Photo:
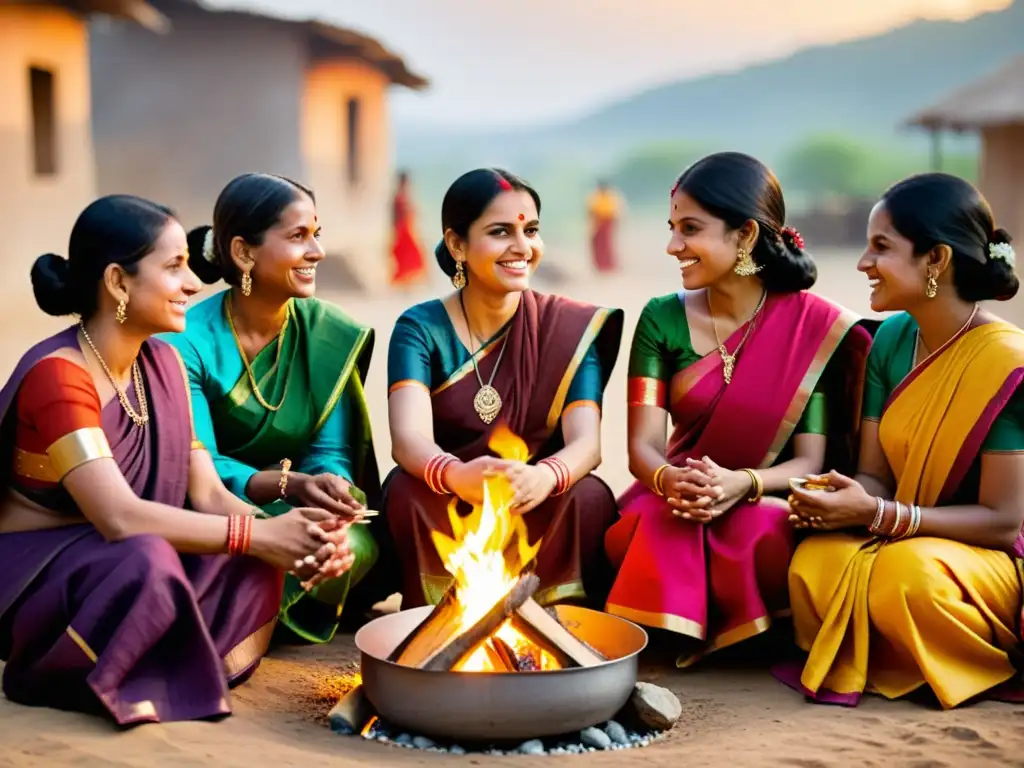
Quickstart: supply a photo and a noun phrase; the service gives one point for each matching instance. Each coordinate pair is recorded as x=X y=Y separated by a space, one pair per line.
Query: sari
x=891 y=617
x=722 y=583
x=316 y=373
x=604 y=214
x=127 y=627
x=406 y=254
x=544 y=374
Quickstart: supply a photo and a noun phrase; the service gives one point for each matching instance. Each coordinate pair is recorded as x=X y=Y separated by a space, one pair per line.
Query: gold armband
x=78 y=448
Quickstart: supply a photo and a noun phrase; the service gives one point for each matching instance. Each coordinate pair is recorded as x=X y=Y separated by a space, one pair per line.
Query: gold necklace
x=140 y=419
x=729 y=361
x=248 y=368
x=487 y=402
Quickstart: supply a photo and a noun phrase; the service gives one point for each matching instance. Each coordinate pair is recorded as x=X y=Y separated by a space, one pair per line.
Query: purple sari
x=129 y=627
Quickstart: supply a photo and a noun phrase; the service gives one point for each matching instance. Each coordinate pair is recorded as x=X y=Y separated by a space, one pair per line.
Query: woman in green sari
x=277 y=379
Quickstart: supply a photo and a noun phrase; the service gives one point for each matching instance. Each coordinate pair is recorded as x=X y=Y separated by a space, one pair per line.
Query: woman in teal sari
x=277 y=379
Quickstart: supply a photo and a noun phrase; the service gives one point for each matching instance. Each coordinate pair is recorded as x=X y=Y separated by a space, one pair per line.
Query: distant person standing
x=604 y=208
x=406 y=252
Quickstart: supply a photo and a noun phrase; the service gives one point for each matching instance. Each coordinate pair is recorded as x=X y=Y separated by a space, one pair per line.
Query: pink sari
x=722 y=583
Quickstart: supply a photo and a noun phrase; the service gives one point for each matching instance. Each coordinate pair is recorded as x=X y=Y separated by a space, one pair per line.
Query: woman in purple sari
x=754 y=373
x=113 y=597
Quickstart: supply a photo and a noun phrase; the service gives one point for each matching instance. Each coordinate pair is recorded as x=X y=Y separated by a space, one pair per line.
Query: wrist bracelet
x=286 y=465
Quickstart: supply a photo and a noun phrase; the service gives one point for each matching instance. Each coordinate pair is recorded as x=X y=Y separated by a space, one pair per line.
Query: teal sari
x=322 y=426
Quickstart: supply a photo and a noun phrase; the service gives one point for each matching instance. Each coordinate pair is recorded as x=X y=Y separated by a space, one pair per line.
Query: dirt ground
x=733 y=714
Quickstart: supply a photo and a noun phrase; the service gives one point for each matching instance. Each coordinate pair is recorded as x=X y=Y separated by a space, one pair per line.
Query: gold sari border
x=668 y=621
x=586 y=341
x=250 y=650
x=840 y=327
x=80 y=642
x=643 y=390
x=78 y=448
x=407 y=383
x=343 y=377
x=467 y=367
x=570 y=590
x=188 y=394
x=197 y=445
x=34 y=466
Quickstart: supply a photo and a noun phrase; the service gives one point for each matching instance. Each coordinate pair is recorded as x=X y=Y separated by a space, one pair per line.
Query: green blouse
x=662 y=348
x=892 y=358
x=425 y=348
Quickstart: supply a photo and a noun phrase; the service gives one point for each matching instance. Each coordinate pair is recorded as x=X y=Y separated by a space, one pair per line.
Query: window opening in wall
x=44 y=121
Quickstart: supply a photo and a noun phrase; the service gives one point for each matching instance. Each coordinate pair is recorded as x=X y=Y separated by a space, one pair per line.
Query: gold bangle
x=757 y=491
x=286 y=464
x=656 y=480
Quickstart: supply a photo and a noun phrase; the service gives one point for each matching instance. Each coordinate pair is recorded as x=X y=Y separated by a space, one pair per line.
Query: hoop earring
x=931 y=288
x=459 y=278
x=122 y=311
x=745 y=264
x=246 y=283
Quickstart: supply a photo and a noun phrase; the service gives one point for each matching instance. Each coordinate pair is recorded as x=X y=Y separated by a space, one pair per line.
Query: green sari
x=322 y=426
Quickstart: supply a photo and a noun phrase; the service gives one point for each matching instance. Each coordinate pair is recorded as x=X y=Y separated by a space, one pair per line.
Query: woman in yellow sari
x=916 y=582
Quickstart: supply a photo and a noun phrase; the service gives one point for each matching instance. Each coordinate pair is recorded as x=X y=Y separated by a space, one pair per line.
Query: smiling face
x=702 y=244
x=285 y=264
x=158 y=292
x=503 y=247
x=896 y=277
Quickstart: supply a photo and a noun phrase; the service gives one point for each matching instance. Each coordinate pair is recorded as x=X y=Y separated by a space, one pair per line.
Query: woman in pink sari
x=754 y=372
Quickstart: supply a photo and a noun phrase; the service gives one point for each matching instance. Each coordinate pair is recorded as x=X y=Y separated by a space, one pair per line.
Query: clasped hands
x=531 y=484
x=702 y=491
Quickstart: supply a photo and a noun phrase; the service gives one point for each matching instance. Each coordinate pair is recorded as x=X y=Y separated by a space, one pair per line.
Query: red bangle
x=563 y=478
x=433 y=473
x=239 y=534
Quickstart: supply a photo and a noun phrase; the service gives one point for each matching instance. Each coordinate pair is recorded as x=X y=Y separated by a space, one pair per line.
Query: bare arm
x=808 y=459
x=873 y=470
x=207 y=492
x=581 y=428
x=411 y=421
x=646 y=439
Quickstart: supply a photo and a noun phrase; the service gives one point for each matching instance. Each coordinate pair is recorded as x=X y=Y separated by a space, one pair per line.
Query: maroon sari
x=128 y=627
x=721 y=583
x=534 y=378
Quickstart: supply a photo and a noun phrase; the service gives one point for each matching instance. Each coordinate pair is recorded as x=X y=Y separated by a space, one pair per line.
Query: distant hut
x=994 y=107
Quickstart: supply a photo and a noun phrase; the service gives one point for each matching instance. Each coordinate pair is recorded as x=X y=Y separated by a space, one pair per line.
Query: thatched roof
x=135 y=10
x=326 y=41
x=996 y=99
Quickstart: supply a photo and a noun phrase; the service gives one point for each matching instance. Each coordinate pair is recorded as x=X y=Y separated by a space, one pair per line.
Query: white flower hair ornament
x=1003 y=252
x=208 y=253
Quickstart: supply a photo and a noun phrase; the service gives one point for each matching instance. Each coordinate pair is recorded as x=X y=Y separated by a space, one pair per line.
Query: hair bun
x=51 y=284
x=1000 y=236
x=205 y=265
x=445 y=260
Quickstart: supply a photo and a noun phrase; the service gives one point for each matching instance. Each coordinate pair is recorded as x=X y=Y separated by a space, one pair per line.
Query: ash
x=606 y=737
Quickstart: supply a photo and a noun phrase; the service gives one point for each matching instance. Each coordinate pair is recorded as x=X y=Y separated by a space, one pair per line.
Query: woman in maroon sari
x=112 y=596
x=754 y=373
x=496 y=353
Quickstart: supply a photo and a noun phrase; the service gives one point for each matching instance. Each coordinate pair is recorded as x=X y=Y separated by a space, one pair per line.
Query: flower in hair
x=1003 y=251
x=208 y=253
x=792 y=234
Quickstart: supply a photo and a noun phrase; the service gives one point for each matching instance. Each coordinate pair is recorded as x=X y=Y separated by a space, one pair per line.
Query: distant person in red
x=604 y=208
x=407 y=254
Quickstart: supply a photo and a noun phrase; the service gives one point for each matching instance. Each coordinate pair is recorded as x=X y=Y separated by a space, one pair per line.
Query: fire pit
x=488 y=664
x=498 y=706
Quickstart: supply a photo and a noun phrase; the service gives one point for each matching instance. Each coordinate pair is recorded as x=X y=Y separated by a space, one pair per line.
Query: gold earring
x=459 y=279
x=122 y=311
x=246 y=283
x=931 y=288
x=745 y=264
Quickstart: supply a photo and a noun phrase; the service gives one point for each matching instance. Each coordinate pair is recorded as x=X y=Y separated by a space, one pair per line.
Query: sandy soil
x=733 y=713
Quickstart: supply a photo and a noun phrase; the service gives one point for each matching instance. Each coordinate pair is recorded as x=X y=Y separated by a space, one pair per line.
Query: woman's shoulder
x=552 y=305
x=669 y=305
x=207 y=312
x=427 y=314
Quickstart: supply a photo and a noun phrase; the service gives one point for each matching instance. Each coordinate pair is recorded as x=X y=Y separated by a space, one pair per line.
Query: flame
x=486 y=553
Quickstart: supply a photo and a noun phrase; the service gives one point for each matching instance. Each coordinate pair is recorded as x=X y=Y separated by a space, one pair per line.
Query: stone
x=595 y=737
x=455 y=749
x=422 y=742
x=404 y=739
x=656 y=707
x=616 y=732
x=532 y=747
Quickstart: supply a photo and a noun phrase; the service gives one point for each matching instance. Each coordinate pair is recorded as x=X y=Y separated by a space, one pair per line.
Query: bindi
x=522 y=217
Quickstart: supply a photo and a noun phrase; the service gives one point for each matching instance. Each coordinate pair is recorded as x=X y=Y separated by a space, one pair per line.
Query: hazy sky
x=529 y=61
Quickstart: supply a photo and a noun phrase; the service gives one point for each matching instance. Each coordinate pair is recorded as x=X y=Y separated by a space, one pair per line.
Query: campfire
x=487 y=621
x=488 y=664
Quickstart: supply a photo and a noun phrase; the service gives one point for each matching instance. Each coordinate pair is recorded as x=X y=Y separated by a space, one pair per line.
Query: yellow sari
x=892 y=616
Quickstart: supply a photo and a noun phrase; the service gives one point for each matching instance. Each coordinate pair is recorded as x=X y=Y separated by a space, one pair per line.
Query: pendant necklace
x=487 y=402
x=729 y=361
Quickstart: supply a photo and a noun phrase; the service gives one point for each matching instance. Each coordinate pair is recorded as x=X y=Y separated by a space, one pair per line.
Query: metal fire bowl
x=497 y=706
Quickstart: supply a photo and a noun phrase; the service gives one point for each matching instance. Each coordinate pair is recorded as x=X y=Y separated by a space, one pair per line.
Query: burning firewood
x=544 y=628
x=440 y=642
